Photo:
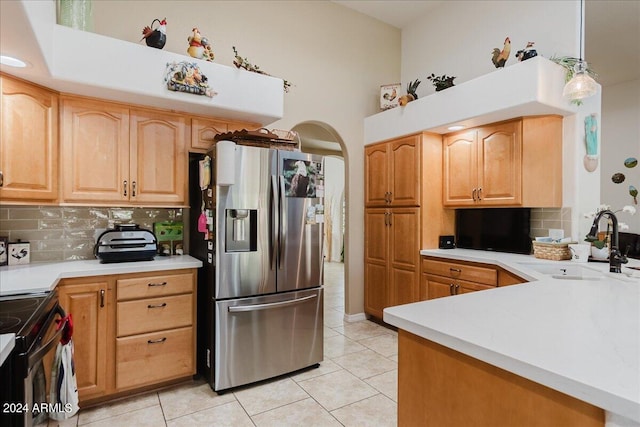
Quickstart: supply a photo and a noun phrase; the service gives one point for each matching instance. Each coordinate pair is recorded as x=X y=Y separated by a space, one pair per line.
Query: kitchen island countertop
x=580 y=337
x=7 y=342
x=32 y=278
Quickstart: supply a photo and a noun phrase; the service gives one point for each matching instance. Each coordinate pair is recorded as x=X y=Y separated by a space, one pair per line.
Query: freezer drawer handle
x=257 y=307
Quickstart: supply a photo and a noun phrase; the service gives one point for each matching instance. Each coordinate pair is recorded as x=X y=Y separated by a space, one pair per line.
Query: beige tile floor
x=355 y=385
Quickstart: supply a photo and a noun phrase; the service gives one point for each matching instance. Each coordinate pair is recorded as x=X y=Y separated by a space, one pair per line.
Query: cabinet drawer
x=150 y=358
x=154 y=314
x=154 y=286
x=474 y=273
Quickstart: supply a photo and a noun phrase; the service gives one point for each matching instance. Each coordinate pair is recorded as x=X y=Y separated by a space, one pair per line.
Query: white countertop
x=7 y=342
x=580 y=337
x=30 y=278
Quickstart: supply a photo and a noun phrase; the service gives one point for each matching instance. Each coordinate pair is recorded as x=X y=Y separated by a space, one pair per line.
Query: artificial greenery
x=441 y=82
x=244 y=63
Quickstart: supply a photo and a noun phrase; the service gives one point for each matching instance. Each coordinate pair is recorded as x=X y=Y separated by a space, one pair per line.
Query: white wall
x=335 y=58
x=620 y=140
x=457 y=37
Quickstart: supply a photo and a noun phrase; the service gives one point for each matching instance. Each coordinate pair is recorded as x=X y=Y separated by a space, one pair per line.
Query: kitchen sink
x=565 y=271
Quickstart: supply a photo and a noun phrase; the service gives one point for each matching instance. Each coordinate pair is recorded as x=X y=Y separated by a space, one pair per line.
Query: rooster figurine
x=527 y=52
x=158 y=37
x=411 y=93
x=500 y=57
x=199 y=47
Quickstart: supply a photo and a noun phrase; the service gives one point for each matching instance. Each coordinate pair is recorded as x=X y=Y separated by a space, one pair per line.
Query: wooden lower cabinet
x=156 y=329
x=131 y=331
x=392 y=256
x=442 y=277
x=158 y=356
x=440 y=387
x=89 y=301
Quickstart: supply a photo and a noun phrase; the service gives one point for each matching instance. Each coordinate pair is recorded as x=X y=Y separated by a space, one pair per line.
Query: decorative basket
x=552 y=251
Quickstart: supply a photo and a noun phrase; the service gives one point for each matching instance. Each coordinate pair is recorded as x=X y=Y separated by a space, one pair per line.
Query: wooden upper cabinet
x=460 y=166
x=203 y=131
x=159 y=157
x=500 y=164
x=28 y=142
x=514 y=163
x=114 y=154
x=95 y=151
x=376 y=169
x=392 y=173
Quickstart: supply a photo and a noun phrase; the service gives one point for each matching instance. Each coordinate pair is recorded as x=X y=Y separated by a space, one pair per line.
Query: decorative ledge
x=90 y=64
x=528 y=88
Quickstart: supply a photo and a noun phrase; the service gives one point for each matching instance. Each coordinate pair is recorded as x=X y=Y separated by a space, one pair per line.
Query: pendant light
x=581 y=84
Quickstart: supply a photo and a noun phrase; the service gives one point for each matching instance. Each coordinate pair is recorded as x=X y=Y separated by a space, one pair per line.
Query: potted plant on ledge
x=441 y=82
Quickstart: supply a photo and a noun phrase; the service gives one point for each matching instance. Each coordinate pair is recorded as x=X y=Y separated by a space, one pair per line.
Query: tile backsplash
x=542 y=219
x=65 y=233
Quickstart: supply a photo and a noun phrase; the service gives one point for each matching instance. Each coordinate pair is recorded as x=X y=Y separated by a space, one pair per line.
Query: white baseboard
x=355 y=317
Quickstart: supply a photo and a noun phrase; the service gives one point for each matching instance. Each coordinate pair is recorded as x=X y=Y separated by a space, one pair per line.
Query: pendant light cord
x=581 y=20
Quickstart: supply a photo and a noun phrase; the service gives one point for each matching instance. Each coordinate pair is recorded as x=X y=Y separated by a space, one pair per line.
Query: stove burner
x=24 y=305
x=6 y=323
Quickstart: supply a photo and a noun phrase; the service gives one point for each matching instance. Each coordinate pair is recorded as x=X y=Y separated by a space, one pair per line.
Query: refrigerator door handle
x=283 y=223
x=274 y=221
x=257 y=307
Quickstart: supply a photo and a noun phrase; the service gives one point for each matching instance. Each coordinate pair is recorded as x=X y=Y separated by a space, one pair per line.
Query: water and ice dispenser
x=241 y=230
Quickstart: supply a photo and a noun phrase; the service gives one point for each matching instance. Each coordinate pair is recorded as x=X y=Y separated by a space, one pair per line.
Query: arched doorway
x=320 y=138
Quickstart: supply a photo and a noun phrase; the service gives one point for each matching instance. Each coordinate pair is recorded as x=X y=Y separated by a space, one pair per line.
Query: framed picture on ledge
x=389 y=95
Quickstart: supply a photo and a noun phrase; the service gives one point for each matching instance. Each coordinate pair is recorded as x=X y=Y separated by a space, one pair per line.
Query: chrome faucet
x=616 y=258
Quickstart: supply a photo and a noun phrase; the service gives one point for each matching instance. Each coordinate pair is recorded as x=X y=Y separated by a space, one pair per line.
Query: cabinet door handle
x=473 y=194
x=390 y=215
x=479 y=193
x=164 y=304
x=451 y=289
x=386 y=219
x=124 y=188
x=133 y=189
x=102 y=292
x=457 y=289
x=390 y=197
x=1 y=179
x=158 y=341
x=157 y=284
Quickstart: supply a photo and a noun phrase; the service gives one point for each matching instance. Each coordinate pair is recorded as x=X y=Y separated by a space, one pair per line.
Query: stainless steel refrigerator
x=260 y=234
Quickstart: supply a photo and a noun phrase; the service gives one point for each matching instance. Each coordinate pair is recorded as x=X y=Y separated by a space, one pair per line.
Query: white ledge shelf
x=84 y=63
x=528 y=88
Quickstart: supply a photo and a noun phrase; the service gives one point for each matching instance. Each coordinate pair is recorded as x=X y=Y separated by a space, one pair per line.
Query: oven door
x=39 y=358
